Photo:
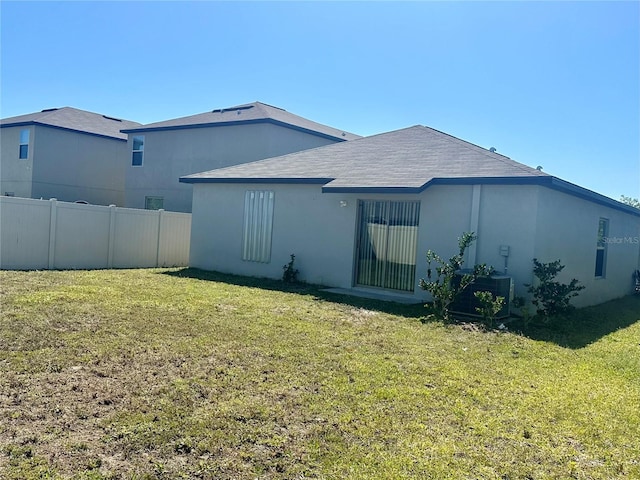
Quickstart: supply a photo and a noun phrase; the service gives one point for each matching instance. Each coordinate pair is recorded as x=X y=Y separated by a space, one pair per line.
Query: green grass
x=183 y=374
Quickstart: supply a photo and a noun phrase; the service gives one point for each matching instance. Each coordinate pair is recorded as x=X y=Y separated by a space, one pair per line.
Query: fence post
x=53 y=217
x=112 y=234
x=160 y=215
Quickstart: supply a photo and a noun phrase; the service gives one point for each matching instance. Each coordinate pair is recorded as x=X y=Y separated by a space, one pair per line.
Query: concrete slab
x=385 y=297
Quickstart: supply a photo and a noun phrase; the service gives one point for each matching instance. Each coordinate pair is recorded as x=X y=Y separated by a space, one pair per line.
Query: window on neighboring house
x=138 y=151
x=153 y=203
x=258 y=225
x=24 y=144
x=601 y=247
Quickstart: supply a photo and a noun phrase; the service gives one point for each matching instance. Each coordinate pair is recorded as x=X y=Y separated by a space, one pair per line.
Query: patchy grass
x=183 y=374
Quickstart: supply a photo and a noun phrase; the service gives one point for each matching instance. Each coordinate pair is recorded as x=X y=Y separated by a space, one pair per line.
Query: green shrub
x=290 y=274
x=489 y=307
x=439 y=281
x=552 y=298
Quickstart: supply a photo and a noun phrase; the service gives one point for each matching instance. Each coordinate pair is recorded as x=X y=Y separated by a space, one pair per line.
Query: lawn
x=183 y=374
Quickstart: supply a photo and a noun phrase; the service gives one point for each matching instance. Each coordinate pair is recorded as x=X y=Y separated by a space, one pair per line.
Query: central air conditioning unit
x=466 y=302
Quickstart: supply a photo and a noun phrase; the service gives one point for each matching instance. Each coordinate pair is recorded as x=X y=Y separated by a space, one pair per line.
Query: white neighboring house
x=361 y=216
x=64 y=153
x=162 y=152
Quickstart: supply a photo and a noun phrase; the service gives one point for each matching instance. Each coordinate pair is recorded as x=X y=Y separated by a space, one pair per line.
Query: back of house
x=361 y=215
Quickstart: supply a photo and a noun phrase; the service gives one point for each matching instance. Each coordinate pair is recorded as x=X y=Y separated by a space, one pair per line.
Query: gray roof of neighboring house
x=246 y=114
x=69 y=118
x=402 y=161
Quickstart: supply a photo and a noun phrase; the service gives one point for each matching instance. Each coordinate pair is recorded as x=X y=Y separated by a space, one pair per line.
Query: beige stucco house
x=162 y=152
x=361 y=215
x=64 y=153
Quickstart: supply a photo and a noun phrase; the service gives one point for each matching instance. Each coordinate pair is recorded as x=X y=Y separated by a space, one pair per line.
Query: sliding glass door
x=387 y=243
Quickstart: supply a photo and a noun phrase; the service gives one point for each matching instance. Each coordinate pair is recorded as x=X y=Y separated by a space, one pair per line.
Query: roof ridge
x=48 y=112
x=258 y=102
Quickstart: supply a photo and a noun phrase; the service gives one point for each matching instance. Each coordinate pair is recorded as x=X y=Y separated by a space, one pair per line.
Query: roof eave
x=586 y=194
x=533 y=180
x=57 y=127
x=548 y=181
x=264 y=180
x=232 y=123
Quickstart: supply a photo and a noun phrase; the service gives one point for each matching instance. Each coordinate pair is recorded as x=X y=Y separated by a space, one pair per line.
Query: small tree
x=441 y=285
x=290 y=274
x=550 y=297
x=489 y=307
x=633 y=202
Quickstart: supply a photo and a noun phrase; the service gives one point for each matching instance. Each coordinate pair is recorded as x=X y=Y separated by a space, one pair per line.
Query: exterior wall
x=321 y=233
x=568 y=230
x=15 y=174
x=307 y=223
x=507 y=217
x=65 y=165
x=73 y=166
x=170 y=154
x=533 y=221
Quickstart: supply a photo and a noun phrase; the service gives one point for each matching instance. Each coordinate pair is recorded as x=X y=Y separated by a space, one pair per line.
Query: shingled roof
x=69 y=118
x=256 y=112
x=407 y=159
x=403 y=161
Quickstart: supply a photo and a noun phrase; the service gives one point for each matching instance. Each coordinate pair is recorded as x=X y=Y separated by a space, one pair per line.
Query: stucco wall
x=73 y=166
x=508 y=215
x=306 y=223
x=170 y=154
x=15 y=174
x=532 y=221
x=321 y=233
x=568 y=230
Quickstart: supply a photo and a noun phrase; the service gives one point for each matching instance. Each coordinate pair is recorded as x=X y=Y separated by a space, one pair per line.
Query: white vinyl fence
x=47 y=234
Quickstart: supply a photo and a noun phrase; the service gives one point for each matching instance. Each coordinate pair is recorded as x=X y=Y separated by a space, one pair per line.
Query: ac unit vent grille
x=466 y=302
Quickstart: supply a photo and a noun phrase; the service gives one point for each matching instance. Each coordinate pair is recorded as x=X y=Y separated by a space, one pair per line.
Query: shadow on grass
x=586 y=325
x=416 y=311
x=581 y=328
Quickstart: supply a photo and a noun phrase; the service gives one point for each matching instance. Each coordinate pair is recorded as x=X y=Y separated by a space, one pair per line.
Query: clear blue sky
x=551 y=84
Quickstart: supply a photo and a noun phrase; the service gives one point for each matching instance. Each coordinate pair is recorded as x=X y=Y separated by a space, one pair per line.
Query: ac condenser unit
x=466 y=302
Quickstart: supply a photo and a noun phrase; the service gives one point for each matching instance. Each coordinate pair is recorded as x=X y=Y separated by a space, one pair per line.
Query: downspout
x=474 y=224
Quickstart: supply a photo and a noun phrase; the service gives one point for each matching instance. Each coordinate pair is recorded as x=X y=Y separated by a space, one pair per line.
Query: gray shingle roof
x=249 y=113
x=74 y=119
x=410 y=159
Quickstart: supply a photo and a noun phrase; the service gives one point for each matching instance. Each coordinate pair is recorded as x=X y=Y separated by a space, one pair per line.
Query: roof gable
x=69 y=118
x=256 y=112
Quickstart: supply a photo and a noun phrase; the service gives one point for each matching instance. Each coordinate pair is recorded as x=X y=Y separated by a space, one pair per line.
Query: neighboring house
x=361 y=215
x=64 y=153
x=162 y=152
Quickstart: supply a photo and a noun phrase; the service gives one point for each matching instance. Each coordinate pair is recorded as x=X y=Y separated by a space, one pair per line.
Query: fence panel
x=136 y=242
x=24 y=233
x=40 y=234
x=81 y=236
x=175 y=235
